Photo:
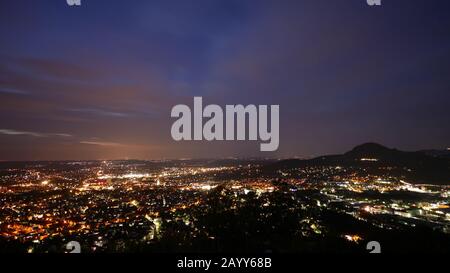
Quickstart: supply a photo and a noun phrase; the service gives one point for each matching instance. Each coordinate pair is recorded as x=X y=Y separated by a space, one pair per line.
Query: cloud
x=14 y=133
x=13 y=91
x=99 y=112
x=101 y=143
x=63 y=135
x=32 y=134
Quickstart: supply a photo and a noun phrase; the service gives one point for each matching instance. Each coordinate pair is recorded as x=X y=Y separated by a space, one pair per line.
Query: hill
x=376 y=159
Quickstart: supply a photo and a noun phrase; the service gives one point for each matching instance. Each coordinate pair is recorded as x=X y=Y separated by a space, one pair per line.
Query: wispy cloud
x=13 y=91
x=31 y=134
x=102 y=143
x=20 y=133
x=62 y=135
x=99 y=112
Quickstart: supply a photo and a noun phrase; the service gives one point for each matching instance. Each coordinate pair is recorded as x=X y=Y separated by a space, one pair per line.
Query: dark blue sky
x=98 y=81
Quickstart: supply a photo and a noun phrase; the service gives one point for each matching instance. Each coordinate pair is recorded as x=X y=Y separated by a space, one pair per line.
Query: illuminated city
x=117 y=206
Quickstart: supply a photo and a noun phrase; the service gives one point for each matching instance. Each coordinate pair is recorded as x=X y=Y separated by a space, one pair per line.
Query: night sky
x=99 y=81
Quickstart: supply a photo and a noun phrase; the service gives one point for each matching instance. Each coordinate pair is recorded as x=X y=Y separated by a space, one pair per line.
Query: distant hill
x=373 y=150
x=417 y=167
